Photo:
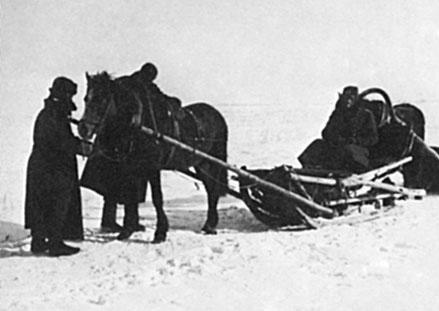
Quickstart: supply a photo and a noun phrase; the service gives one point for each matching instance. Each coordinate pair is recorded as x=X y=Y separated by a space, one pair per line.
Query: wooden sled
x=338 y=191
x=285 y=196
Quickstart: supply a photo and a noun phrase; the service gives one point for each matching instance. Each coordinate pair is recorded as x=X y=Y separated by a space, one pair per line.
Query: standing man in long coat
x=52 y=187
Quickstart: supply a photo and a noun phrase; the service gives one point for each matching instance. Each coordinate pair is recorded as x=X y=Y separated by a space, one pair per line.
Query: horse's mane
x=102 y=77
x=122 y=87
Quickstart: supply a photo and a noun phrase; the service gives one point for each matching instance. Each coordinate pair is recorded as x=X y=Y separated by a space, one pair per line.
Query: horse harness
x=176 y=129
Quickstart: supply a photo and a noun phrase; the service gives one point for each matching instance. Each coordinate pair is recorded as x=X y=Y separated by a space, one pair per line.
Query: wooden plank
x=314 y=180
x=410 y=193
x=358 y=179
x=361 y=200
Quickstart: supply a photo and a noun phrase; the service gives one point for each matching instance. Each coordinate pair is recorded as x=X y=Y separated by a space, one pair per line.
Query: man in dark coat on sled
x=53 y=203
x=346 y=139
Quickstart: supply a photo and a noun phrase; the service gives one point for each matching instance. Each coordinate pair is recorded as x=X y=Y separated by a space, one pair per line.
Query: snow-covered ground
x=389 y=263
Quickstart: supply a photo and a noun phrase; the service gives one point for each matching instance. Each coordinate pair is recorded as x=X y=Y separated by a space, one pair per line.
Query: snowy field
x=386 y=264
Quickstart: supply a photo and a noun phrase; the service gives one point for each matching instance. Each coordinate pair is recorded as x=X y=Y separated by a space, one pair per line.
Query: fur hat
x=149 y=72
x=350 y=90
x=63 y=87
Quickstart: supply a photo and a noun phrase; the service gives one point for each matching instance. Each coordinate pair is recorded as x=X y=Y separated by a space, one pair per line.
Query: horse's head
x=99 y=104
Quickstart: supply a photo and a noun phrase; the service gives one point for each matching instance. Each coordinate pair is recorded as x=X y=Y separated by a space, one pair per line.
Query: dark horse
x=115 y=108
x=402 y=132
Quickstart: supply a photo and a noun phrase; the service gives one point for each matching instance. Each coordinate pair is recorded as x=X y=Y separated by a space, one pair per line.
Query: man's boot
x=38 y=245
x=59 y=248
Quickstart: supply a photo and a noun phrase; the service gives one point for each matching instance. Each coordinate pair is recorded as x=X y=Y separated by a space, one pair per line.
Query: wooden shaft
x=314 y=180
x=355 y=180
x=411 y=193
x=373 y=174
x=291 y=195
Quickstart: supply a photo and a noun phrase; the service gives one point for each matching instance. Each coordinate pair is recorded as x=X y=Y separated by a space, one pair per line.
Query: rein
x=100 y=123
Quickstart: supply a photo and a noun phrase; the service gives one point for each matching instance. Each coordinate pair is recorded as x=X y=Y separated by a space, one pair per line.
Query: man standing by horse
x=53 y=203
x=144 y=78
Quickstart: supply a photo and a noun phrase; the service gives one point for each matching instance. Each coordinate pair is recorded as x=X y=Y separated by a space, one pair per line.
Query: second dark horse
x=115 y=108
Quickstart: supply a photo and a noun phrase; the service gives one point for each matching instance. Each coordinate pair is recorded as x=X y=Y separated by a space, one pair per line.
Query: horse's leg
x=162 y=225
x=212 y=212
x=208 y=175
x=109 y=213
x=130 y=221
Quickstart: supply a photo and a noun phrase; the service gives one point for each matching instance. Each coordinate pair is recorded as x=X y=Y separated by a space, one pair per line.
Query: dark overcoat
x=52 y=174
x=347 y=137
x=115 y=180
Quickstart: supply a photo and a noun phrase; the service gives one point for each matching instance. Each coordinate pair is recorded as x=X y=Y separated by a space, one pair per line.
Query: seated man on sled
x=346 y=139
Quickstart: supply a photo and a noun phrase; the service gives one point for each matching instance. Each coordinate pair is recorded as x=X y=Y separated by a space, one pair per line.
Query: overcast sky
x=223 y=51
x=294 y=53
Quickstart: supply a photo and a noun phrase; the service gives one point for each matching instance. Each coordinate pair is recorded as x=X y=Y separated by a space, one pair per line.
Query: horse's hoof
x=159 y=238
x=112 y=228
x=139 y=227
x=125 y=234
x=208 y=230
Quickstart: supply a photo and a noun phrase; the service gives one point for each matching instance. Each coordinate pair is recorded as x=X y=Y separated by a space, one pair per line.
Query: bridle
x=136 y=121
x=99 y=124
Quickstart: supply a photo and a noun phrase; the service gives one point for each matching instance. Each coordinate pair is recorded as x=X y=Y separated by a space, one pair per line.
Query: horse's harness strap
x=385 y=117
x=177 y=132
x=197 y=139
x=198 y=131
x=198 y=136
x=137 y=118
x=409 y=143
x=100 y=124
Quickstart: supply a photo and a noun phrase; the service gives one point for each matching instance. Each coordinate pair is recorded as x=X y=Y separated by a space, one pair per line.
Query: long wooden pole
x=291 y=195
x=359 y=179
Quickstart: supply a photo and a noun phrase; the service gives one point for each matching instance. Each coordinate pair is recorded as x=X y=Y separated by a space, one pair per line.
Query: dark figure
x=52 y=188
x=145 y=79
x=349 y=133
x=117 y=184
